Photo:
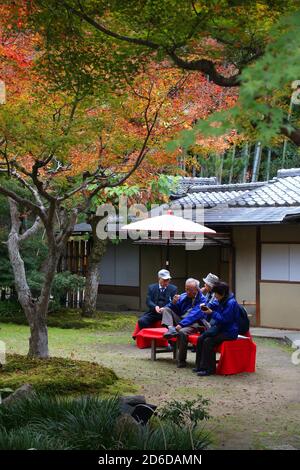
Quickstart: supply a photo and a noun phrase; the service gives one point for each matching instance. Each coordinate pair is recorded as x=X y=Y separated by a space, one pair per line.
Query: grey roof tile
x=277 y=192
x=251 y=216
x=207 y=199
x=264 y=202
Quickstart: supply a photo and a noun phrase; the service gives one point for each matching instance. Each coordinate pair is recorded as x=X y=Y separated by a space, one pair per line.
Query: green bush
x=189 y=412
x=56 y=375
x=44 y=422
x=11 y=312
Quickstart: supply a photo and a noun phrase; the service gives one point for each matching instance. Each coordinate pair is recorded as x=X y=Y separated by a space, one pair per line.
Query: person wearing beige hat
x=210 y=281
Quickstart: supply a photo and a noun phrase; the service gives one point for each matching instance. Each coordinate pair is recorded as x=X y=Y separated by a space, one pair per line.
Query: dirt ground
x=250 y=411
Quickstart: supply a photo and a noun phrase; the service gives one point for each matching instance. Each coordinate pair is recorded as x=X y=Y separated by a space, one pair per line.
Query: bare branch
x=15 y=218
x=202 y=65
x=208 y=68
x=33 y=191
x=31 y=231
x=20 y=200
x=103 y=29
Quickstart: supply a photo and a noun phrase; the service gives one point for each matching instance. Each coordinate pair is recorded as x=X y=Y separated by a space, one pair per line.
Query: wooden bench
x=156 y=337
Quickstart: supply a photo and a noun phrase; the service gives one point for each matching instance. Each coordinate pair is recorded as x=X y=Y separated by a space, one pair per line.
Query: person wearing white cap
x=159 y=295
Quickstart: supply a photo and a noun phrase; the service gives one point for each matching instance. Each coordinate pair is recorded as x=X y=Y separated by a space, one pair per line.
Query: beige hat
x=211 y=280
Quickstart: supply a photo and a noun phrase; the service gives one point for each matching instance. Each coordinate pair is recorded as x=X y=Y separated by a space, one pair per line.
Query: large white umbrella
x=168 y=224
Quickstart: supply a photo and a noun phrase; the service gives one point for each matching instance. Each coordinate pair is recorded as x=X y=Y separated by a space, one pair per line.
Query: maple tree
x=181 y=31
x=72 y=127
x=42 y=135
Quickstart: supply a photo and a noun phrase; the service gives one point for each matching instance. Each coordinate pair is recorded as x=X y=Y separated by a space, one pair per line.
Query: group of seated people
x=212 y=307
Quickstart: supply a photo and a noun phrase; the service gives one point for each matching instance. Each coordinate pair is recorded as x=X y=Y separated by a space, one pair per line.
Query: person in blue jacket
x=183 y=317
x=225 y=313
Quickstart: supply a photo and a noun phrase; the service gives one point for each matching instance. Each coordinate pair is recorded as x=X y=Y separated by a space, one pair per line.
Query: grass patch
x=274 y=343
x=56 y=375
x=11 y=312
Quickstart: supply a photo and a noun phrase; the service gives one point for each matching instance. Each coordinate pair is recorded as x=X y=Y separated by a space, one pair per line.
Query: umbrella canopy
x=168 y=224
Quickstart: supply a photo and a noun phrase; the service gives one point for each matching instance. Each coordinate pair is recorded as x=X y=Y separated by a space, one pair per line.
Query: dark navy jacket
x=185 y=303
x=226 y=314
x=153 y=295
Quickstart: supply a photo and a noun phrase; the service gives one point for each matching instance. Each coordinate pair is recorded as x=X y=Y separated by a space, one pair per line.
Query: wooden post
x=258 y=274
x=153 y=350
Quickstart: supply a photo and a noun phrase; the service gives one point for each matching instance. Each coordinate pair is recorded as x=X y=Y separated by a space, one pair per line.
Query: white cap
x=164 y=274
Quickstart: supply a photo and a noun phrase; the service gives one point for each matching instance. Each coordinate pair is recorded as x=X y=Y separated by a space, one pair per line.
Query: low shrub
x=56 y=375
x=44 y=422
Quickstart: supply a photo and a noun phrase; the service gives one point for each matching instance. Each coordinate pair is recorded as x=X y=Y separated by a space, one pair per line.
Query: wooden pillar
x=258 y=274
x=153 y=350
x=231 y=268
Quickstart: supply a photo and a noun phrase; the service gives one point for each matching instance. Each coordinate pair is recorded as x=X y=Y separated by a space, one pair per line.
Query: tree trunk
x=246 y=153
x=256 y=162
x=92 y=276
x=38 y=341
x=35 y=309
x=231 y=165
x=268 y=164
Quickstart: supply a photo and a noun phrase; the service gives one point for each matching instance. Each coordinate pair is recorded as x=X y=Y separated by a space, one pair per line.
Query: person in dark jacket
x=225 y=314
x=159 y=295
x=183 y=317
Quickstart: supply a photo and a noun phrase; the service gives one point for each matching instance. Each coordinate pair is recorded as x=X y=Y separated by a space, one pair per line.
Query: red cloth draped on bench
x=144 y=336
x=237 y=356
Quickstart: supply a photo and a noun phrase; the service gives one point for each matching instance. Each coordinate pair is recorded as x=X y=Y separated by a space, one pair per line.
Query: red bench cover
x=237 y=356
x=144 y=336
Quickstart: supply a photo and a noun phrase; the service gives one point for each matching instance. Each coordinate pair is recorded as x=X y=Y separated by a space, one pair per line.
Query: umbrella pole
x=168 y=255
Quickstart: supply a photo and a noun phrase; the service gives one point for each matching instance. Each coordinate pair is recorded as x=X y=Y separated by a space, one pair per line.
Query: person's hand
x=175 y=298
x=158 y=309
x=178 y=327
x=205 y=309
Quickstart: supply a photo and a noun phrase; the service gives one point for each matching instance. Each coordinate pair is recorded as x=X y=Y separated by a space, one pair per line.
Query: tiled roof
x=186 y=183
x=278 y=192
x=248 y=216
x=272 y=201
x=207 y=199
x=82 y=227
x=264 y=202
x=226 y=187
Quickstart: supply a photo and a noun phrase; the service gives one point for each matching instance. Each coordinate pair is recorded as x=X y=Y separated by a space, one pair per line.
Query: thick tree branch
x=103 y=29
x=31 y=231
x=208 y=68
x=202 y=65
x=20 y=200
x=30 y=188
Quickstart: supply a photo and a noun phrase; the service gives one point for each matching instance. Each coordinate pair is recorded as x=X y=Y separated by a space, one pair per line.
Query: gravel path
x=250 y=411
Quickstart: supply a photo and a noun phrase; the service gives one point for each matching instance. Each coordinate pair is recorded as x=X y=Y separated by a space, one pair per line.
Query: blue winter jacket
x=185 y=303
x=226 y=314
